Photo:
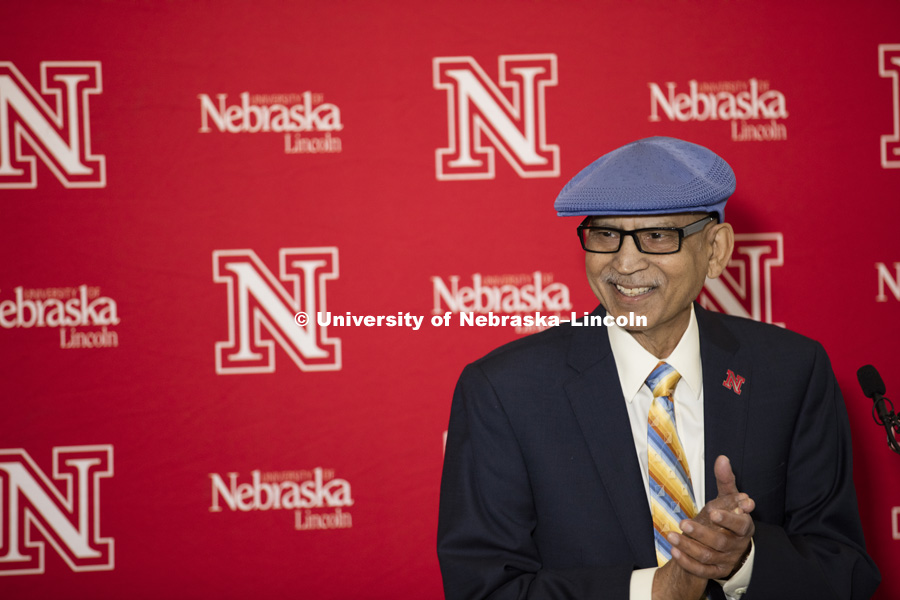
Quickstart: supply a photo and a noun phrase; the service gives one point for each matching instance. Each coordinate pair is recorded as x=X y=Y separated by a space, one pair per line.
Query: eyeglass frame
x=683 y=232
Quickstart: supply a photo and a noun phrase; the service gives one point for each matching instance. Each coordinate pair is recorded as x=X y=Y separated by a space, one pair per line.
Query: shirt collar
x=634 y=363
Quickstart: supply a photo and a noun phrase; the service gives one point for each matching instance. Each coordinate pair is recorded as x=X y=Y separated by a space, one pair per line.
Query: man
x=695 y=455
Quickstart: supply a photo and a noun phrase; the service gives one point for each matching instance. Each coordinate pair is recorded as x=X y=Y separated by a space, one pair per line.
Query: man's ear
x=721 y=243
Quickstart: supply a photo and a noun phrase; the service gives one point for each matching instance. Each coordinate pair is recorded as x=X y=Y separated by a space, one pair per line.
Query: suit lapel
x=724 y=409
x=596 y=399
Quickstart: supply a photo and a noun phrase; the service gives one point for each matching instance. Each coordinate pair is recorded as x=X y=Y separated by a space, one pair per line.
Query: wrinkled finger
x=731 y=503
x=713 y=538
x=725 y=562
x=740 y=524
x=695 y=549
x=696 y=567
x=725 y=480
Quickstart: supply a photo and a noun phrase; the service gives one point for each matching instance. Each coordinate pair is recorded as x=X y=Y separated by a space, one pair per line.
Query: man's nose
x=629 y=259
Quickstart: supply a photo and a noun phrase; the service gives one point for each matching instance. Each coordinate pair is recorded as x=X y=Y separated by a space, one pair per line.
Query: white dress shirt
x=634 y=365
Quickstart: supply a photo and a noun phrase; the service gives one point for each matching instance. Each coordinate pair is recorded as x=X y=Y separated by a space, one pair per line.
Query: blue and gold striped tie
x=671 y=492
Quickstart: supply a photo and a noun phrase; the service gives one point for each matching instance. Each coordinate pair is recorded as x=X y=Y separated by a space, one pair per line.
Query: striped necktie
x=671 y=492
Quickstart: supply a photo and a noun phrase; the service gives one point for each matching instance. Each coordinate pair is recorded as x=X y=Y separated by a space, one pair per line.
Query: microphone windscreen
x=870 y=381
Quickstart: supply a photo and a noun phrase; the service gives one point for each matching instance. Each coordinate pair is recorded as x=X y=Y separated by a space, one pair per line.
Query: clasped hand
x=713 y=545
x=716 y=542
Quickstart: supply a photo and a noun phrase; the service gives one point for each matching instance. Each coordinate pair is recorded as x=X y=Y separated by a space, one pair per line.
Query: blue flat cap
x=655 y=175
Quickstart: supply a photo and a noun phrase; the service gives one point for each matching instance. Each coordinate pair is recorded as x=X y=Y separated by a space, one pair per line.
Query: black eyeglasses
x=653 y=240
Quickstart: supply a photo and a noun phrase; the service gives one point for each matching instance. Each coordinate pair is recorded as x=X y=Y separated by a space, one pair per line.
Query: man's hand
x=716 y=542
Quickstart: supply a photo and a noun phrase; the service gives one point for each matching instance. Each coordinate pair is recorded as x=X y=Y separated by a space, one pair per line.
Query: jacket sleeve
x=809 y=540
x=487 y=512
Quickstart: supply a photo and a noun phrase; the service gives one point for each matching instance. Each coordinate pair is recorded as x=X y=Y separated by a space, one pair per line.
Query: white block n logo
x=889 y=66
x=744 y=289
x=35 y=511
x=257 y=302
x=59 y=135
x=482 y=118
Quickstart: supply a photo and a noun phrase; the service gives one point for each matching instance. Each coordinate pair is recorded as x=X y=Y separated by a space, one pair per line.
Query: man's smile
x=633 y=292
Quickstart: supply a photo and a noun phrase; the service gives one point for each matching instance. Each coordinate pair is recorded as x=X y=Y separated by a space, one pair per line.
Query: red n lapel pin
x=734 y=382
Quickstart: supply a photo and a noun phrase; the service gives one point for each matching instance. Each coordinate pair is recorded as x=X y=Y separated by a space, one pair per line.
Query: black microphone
x=870 y=381
x=873 y=387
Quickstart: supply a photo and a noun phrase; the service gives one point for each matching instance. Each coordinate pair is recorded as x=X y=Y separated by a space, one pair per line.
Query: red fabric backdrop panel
x=180 y=180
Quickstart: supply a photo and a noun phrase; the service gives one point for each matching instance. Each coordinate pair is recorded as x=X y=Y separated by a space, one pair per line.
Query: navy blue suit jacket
x=542 y=495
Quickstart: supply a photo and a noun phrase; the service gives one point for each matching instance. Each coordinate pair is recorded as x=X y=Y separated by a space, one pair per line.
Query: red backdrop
x=179 y=179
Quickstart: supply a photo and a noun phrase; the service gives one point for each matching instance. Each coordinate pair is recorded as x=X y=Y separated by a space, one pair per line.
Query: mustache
x=616 y=279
